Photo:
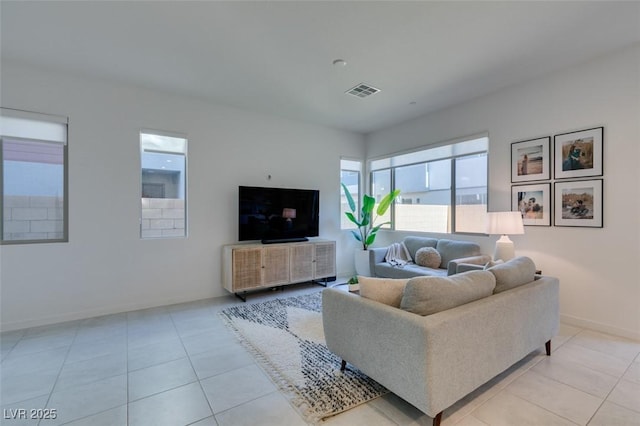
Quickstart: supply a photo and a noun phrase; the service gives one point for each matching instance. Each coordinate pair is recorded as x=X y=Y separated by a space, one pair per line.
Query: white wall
x=105 y=267
x=599 y=269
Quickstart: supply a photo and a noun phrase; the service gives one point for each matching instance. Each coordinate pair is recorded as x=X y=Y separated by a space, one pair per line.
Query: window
x=350 y=171
x=33 y=177
x=444 y=188
x=164 y=185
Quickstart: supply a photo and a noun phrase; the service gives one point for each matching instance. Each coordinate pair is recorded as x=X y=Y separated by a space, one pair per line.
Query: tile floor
x=179 y=365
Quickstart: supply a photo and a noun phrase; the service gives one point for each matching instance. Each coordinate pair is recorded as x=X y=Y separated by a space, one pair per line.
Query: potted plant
x=353 y=283
x=367 y=229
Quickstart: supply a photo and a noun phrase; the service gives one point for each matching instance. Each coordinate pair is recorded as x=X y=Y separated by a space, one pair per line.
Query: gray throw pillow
x=383 y=290
x=428 y=295
x=428 y=256
x=513 y=273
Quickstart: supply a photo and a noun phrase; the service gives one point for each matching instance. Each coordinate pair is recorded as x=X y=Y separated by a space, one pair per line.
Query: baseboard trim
x=596 y=326
x=97 y=312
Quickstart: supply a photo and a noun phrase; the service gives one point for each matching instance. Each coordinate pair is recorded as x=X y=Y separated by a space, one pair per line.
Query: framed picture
x=530 y=160
x=578 y=154
x=578 y=203
x=533 y=202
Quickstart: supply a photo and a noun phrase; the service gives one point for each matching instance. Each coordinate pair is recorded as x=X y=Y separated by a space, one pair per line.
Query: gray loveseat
x=433 y=361
x=451 y=252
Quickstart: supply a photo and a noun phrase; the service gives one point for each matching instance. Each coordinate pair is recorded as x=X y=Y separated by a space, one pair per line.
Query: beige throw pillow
x=428 y=295
x=384 y=290
x=513 y=273
x=429 y=257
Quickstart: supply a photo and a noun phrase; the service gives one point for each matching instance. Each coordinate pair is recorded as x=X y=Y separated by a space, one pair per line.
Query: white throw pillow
x=384 y=290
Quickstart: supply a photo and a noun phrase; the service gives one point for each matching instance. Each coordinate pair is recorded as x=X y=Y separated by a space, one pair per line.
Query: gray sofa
x=433 y=361
x=452 y=253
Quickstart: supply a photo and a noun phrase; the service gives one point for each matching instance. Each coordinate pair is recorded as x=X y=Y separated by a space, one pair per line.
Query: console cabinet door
x=325 y=259
x=247 y=268
x=275 y=264
x=302 y=256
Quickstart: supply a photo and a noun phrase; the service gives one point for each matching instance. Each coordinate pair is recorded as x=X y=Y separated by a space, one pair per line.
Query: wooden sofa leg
x=547 y=346
x=437 y=419
x=343 y=365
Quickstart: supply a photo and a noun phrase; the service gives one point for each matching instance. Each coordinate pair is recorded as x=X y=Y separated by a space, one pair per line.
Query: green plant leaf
x=386 y=202
x=352 y=204
x=367 y=204
x=370 y=239
x=355 y=234
x=352 y=218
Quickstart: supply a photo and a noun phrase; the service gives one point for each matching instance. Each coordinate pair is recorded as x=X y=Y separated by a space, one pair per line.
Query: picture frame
x=530 y=160
x=578 y=154
x=533 y=202
x=579 y=203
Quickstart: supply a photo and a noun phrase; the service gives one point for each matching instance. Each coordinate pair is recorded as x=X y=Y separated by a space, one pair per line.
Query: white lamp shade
x=504 y=223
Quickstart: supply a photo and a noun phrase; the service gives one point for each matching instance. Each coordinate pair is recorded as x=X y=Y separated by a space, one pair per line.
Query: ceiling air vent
x=362 y=90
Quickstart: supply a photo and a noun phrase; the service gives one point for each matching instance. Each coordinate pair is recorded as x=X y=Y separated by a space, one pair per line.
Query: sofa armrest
x=452 y=267
x=376 y=255
x=466 y=267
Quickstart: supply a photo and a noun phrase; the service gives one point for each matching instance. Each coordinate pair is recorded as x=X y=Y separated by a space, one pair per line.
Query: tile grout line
x=193 y=369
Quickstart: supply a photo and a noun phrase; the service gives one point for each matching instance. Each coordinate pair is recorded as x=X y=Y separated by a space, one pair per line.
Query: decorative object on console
x=578 y=154
x=505 y=224
x=530 y=160
x=579 y=203
x=533 y=202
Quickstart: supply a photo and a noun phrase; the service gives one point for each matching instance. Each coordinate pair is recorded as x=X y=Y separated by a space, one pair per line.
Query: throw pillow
x=429 y=257
x=384 y=290
x=428 y=295
x=513 y=273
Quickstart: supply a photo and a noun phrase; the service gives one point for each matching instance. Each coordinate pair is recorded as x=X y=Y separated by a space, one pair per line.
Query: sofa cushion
x=385 y=269
x=428 y=256
x=450 y=250
x=428 y=295
x=513 y=273
x=415 y=243
x=384 y=290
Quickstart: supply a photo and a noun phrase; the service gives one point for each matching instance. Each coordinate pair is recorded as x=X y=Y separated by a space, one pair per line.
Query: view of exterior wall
x=33 y=217
x=162 y=217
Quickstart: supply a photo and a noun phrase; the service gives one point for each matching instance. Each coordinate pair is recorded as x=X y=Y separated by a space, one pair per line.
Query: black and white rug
x=287 y=338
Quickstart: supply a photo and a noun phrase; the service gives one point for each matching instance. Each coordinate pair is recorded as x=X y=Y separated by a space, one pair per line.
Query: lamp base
x=504 y=249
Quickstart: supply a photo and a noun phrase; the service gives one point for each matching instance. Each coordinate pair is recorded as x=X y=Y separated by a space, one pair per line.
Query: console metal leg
x=547 y=347
x=242 y=296
x=343 y=365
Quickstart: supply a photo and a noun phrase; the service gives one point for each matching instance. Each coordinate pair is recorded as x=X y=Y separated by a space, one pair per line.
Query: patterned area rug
x=287 y=338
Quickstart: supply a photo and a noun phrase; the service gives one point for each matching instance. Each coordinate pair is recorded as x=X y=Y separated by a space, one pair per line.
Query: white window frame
x=150 y=147
x=38 y=127
x=351 y=165
x=447 y=150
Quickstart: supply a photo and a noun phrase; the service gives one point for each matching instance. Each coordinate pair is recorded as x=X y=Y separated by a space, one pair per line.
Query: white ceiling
x=276 y=57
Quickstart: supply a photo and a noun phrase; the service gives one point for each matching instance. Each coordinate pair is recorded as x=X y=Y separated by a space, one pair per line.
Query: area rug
x=287 y=339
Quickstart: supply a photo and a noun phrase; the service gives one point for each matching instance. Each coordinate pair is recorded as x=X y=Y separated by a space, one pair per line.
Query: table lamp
x=505 y=224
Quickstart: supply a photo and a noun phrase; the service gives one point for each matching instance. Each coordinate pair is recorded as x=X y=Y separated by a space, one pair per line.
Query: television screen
x=277 y=214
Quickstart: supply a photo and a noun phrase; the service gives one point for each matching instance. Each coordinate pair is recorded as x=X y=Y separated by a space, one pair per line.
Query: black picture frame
x=579 y=154
x=531 y=160
x=579 y=203
x=533 y=202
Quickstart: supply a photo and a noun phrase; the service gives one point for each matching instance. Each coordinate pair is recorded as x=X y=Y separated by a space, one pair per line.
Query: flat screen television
x=277 y=214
